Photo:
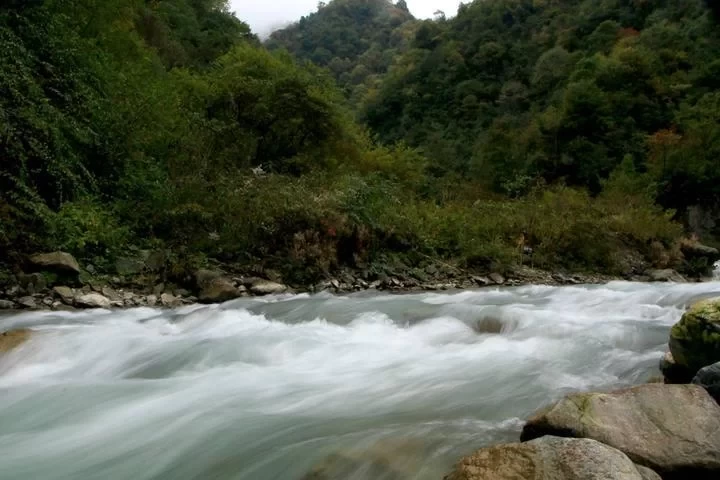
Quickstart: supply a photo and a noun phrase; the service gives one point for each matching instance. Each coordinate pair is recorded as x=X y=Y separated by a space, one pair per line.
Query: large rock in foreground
x=695 y=339
x=92 y=300
x=673 y=429
x=60 y=262
x=550 y=458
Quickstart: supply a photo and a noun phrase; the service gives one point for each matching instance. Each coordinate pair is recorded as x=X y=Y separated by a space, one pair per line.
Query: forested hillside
x=129 y=125
x=515 y=92
x=356 y=40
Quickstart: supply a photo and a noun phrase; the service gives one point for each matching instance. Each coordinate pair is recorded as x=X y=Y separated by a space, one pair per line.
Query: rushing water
x=359 y=387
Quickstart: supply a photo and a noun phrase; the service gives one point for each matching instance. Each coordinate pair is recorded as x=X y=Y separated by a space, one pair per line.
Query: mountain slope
x=355 y=39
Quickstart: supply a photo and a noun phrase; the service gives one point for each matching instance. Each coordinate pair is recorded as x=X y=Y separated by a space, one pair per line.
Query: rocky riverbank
x=665 y=431
x=57 y=281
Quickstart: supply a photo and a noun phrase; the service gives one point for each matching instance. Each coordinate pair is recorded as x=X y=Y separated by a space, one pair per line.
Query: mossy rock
x=695 y=339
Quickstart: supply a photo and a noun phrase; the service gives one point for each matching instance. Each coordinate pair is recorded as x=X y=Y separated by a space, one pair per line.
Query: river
x=369 y=386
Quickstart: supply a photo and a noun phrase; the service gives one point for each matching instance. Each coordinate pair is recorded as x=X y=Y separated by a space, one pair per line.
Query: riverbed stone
x=61 y=262
x=27 y=302
x=92 y=300
x=496 y=278
x=709 y=378
x=66 y=294
x=6 y=305
x=169 y=300
x=13 y=339
x=695 y=339
x=550 y=458
x=266 y=287
x=665 y=275
x=220 y=289
x=672 y=429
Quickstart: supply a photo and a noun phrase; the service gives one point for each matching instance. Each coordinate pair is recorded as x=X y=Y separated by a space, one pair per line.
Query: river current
x=368 y=386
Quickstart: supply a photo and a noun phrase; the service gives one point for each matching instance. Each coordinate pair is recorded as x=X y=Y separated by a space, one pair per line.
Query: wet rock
x=672 y=429
x=27 y=302
x=666 y=275
x=6 y=305
x=266 y=287
x=481 y=281
x=709 y=378
x=674 y=373
x=219 y=290
x=92 y=300
x=490 y=325
x=496 y=278
x=66 y=294
x=151 y=300
x=169 y=300
x=13 y=339
x=56 y=262
x=695 y=339
x=111 y=294
x=549 y=458
x=47 y=301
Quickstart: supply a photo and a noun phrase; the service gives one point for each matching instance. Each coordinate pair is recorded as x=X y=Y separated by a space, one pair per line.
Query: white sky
x=267 y=15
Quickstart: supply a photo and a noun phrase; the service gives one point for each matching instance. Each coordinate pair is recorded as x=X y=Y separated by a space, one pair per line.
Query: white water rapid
x=366 y=387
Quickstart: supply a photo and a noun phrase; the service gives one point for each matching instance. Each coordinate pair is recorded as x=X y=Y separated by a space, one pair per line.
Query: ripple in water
x=315 y=387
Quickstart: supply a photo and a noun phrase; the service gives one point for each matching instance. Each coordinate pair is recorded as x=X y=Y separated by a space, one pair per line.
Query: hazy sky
x=266 y=15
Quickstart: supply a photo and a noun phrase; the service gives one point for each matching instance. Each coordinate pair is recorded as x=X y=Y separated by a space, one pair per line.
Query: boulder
x=218 y=290
x=674 y=373
x=266 y=287
x=169 y=300
x=27 y=302
x=111 y=294
x=666 y=275
x=695 y=339
x=672 y=429
x=92 y=300
x=151 y=300
x=66 y=294
x=709 y=378
x=13 y=339
x=497 y=279
x=550 y=458
x=6 y=305
x=60 y=262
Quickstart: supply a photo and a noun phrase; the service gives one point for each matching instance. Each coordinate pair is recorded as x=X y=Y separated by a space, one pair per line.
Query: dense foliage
x=512 y=92
x=356 y=40
x=133 y=124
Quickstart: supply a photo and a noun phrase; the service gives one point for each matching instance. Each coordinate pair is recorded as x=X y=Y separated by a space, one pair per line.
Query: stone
x=66 y=294
x=169 y=300
x=127 y=266
x=266 y=287
x=61 y=262
x=27 y=302
x=709 y=378
x=47 y=301
x=92 y=300
x=674 y=373
x=13 y=339
x=151 y=300
x=204 y=277
x=111 y=294
x=672 y=429
x=159 y=289
x=181 y=292
x=666 y=275
x=549 y=458
x=218 y=290
x=6 y=305
x=481 y=281
x=496 y=278
x=695 y=339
